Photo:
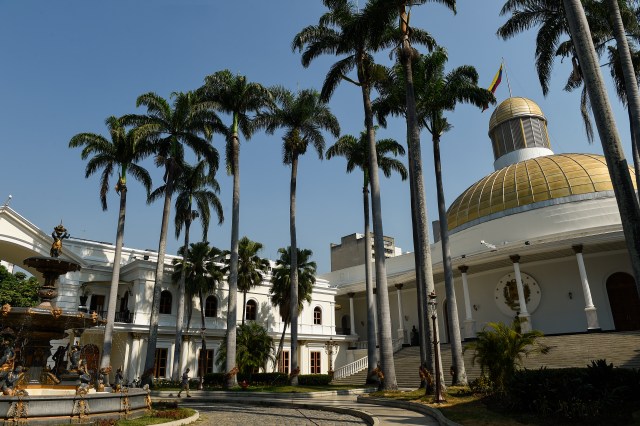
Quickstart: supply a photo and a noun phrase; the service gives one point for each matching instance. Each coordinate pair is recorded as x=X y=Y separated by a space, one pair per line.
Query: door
x=624 y=301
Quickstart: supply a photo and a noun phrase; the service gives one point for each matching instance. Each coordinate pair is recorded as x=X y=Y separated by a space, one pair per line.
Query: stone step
x=575 y=350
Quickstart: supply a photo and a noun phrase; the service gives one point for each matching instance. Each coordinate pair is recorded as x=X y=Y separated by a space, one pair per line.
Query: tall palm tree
x=356 y=153
x=303 y=116
x=609 y=138
x=202 y=274
x=344 y=31
x=251 y=267
x=165 y=130
x=439 y=93
x=570 y=17
x=550 y=16
x=280 y=290
x=120 y=153
x=197 y=185
x=234 y=95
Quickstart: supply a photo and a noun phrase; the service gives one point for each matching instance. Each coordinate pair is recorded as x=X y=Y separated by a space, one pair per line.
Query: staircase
x=574 y=350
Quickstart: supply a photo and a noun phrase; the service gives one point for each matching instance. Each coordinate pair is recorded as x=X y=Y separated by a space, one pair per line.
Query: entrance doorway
x=624 y=301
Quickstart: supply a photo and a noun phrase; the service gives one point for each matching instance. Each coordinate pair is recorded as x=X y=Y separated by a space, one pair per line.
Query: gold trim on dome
x=514 y=107
x=532 y=181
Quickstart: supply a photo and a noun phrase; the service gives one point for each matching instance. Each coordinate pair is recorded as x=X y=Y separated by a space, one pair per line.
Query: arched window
x=211 y=307
x=251 y=310
x=317 y=315
x=165 y=302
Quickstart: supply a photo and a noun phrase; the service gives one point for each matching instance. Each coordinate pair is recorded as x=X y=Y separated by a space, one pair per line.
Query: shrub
x=598 y=392
x=314 y=379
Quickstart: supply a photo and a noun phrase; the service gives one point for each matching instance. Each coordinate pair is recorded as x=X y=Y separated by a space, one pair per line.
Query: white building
x=552 y=235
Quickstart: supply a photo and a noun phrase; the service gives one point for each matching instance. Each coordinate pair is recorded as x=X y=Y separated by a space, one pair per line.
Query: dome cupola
x=518 y=132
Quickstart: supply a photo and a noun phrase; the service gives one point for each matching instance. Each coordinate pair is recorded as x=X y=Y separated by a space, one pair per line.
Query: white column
x=523 y=315
x=401 y=335
x=590 y=309
x=136 y=356
x=469 y=322
x=352 y=314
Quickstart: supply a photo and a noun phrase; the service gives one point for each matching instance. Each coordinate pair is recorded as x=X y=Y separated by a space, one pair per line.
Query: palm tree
x=280 y=290
x=609 y=138
x=191 y=186
x=251 y=267
x=121 y=153
x=202 y=275
x=437 y=93
x=499 y=350
x=356 y=153
x=345 y=31
x=254 y=349
x=569 y=17
x=234 y=95
x=165 y=131
x=303 y=116
x=550 y=16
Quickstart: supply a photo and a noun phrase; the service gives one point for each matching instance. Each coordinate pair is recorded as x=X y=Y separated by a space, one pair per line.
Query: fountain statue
x=25 y=346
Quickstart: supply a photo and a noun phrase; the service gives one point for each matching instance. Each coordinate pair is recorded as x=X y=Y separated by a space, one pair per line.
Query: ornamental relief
x=506 y=294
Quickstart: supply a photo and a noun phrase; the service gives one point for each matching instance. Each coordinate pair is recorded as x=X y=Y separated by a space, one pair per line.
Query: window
x=211 y=307
x=165 y=302
x=283 y=364
x=160 y=364
x=315 y=362
x=208 y=361
x=97 y=304
x=317 y=316
x=251 y=310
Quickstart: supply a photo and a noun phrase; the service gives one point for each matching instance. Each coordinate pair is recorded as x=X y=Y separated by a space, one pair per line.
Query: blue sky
x=66 y=66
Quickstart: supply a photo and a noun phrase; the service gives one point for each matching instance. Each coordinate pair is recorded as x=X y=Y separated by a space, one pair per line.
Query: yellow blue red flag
x=494 y=84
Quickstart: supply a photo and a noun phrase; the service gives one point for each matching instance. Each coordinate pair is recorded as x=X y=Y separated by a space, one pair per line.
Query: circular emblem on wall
x=506 y=294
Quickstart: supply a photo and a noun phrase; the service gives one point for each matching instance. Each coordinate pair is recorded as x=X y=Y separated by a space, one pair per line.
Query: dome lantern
x=518 y=132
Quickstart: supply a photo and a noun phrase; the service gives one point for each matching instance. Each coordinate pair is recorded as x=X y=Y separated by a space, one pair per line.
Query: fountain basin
x=63 y=408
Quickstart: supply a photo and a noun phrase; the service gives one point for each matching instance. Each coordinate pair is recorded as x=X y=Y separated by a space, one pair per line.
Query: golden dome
x=532 y=181
x=514 y=107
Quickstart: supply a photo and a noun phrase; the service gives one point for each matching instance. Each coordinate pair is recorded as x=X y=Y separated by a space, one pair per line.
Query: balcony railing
x=126 y=316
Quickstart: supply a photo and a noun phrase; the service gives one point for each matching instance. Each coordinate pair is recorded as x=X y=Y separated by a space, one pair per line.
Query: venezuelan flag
x=496 y=80
x=494 y=85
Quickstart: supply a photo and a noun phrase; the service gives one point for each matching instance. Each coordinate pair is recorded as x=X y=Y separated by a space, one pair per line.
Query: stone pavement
x=341 y=402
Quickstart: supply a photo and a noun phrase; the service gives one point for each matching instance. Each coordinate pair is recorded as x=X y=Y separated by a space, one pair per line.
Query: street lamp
x=330 y=347
x=433 y=307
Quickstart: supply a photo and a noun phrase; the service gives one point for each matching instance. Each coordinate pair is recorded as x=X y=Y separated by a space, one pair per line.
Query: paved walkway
x=340 y=402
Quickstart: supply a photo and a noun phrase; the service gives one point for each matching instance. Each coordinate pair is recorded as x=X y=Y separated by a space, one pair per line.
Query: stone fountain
x=30 y=390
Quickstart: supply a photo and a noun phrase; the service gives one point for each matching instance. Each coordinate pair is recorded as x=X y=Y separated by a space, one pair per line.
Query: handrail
x=351 y=368
x=362 y=363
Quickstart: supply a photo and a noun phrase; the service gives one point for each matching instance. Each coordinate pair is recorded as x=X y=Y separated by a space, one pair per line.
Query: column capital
x=515 y=258
x=137 y=336
x=351 y=295
x=463 y=268
x=399 y=286
x=577 y=248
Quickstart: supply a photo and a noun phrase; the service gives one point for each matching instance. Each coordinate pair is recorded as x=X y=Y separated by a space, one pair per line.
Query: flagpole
x=507 y=75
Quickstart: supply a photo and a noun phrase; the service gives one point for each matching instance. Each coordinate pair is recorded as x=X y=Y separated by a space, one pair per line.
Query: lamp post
x=329 y=348
x=433 y=307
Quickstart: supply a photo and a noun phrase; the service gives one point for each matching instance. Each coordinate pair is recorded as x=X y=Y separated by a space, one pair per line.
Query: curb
x=262 y=395
x=181 y=422
x=420 y=408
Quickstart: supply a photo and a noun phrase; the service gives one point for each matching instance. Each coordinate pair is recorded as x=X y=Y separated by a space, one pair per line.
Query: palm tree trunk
x=372 y=352
x=616 y=163
x=422 y=247
x=459 y=371
x=232 y=311
x=115 y=279
x=386 y=342
x=630 y=82
x=280 y=346
x=203 y=342
x=157 y=287
x=177 y=352
x=244 y=305
x=294 y=271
